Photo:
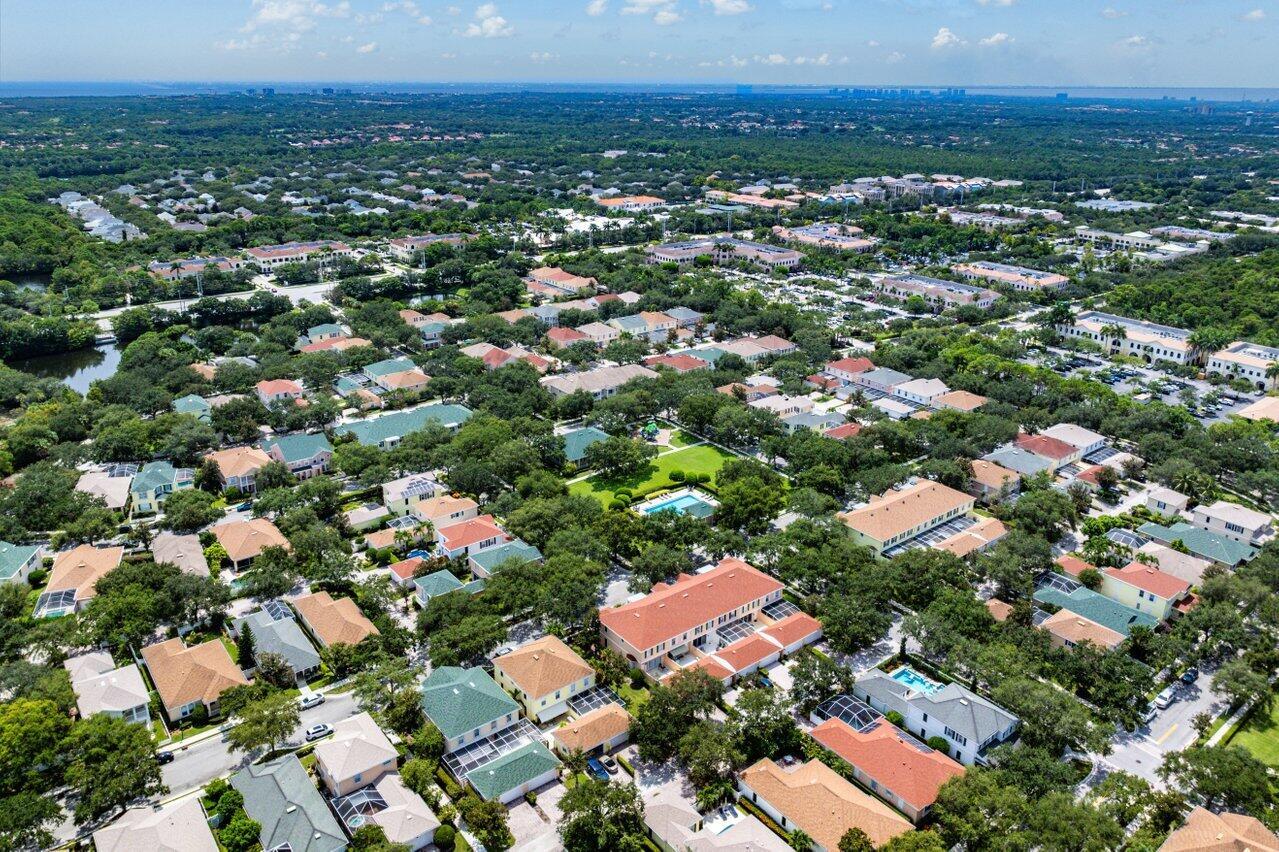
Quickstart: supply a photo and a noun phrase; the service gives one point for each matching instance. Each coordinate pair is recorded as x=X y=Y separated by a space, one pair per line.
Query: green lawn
x=634 y=698
x=680 y=438
x=699 y=459
x=1259 y=734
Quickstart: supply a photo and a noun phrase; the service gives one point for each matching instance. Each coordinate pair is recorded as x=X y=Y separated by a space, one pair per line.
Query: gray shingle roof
x=281 y=797
x=283 y=637
x=957 y=708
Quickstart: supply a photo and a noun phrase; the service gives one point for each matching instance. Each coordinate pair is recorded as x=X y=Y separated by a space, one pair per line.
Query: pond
x=30 y=280
x=77 y=370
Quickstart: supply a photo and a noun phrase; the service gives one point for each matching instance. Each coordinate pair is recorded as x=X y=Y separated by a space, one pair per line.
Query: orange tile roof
x=843 y=431
x=792 y=628
x=247 y=539
x=1073 y=565
x=405 y=567
x=894 y=512
x=822 y=803
x=747 y=651
x=993 y=476
x=334 y=622
x=1205 y=831
x=270 y=387
x=566 y=336
x=1151 y=579
x=593 y=729
x=199 y=673
x=851 y=365
x=998 y=609
x=689 y=602
x=892 y=758
x=1071 y=627
x=979 y=535
x=239 y=461
x=711 y=666
x=681 y=363
x=81 y=568
x=468 y=532
x=960 y=400
x=405 y=379
x=543 y=666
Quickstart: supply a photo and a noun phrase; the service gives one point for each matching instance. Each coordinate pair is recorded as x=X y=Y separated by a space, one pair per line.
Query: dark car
x=597 y=769
x=163 y=757
x=1190 y=675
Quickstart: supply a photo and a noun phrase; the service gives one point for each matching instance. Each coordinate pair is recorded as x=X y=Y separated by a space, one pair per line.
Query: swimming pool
x=915 y=680
x=684 y=504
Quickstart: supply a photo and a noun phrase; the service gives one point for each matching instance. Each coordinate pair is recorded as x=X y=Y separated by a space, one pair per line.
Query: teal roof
x=512 y=770
x=191 y=404
x=1200 y=542
x=458 y=701
x=709 y=354
x=13 y=557
x=299 y=446
x=345 y=385
x=324 y=329
x=397 y=424
x=440 y=583
x=153 y=475
x=431 y=328
x=491 y=557
x=576 y=442
x=1098 y=608
x=389 y=366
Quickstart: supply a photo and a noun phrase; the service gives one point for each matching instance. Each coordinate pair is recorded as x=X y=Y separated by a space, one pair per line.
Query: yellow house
x=1145 y=588
x=902 y=513
x=543 y=675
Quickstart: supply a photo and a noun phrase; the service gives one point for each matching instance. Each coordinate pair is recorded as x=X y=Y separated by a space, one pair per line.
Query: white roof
x=406 y=816
x=923 y=387
x=179 y=826
x=114 y=691
x=1077 y=436
x=1167 y=495
x=1236 y=514
x=357 y=746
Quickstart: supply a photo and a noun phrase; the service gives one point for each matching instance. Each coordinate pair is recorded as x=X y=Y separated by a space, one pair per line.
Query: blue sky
x=848 y=42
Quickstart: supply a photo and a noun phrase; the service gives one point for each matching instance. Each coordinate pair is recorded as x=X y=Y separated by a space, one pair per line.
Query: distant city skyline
x=1222 y=43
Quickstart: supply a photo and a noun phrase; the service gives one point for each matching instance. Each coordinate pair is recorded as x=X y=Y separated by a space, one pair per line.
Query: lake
x=77 y=370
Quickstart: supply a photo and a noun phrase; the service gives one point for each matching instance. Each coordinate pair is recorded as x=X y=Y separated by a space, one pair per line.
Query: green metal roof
x=1200 y=542
x=491 y=557
x=459 y=700
x=389 y=366
x=1099 y=608
x=323 y=329
x=191 y=404
x=397 y=424
x=299 y=446
x=440 y=583
x=512 y=770
x=13 y=557
x=153 y=475
x=576 y=442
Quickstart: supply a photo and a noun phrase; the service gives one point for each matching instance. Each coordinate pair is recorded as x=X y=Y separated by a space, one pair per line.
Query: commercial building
x=723 y=250
x=1251 y=362
x=939 y=294
x=1020 y=278
x=1146 y=341
x=403 y=248
x=828 y=235
x=270 y=257
x=630 y=203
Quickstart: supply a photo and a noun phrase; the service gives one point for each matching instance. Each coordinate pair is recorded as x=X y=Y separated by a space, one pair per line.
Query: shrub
x=894 y=718
x=939 y=744
x=626 y=765
x=37 y=578
x=638 y=681
x=530 y=797
x=444 y=837
x=677 y=476
x=624 y=494
x=616 y=505
x=216 y=788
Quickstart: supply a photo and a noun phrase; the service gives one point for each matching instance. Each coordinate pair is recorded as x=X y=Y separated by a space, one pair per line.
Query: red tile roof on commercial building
x=893 y=759
x=691 y=601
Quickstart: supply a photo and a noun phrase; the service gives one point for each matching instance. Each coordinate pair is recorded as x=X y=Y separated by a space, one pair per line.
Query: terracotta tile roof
x=543 y=666
x=269 y=387
x=404 y=379
x=338 y=343
x=894 y=512
x=593 y=729
x=81 y=568
x=998 y=609
x=893 y=759
x=199 y=673
x=681 y=363
x=773 y=343
x=443 y=506
x=1071 y=627
x=1042 y=445
x=818 y=800
x=206 y=371
x=1073 y=565
x=976 y=537
x=689 y=602
x=792 y=628
x=566 y=336
x=711 y=666
x=247 y=539
x=473 y=531
x=843 y=431
x=747 y=651
x=851 y=365
x=1205 y=831
x=405 y=567
x=960 y=400
x=334 y=622
x=239 y=461
x=1150 y=579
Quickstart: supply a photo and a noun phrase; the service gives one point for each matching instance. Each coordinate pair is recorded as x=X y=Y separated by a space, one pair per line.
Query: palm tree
x=1272 y=372
x=1207 y=340
x=575 y=763
x=713 y=794
x=800 y=841
x=1114 y=332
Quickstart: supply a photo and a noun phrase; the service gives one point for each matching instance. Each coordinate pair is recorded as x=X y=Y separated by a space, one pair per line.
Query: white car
x=316 y=732
x=314 y=699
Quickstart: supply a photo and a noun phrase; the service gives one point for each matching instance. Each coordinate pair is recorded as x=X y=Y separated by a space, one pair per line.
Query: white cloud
x=664 y=12
x=822 y=59
x=1135 y=43
x=945 y=38
x=736 y=62
x=666 y=17
x=448 y=56
x=995 y=2
x=595 y=8
x=996 y=40
x=367 y=48
x=894 y=57
x=772 y=59
x=488 y=24
x=728 y=7
x=872 y=43
x=321 y=54
x=1113 y=14
x=295 y=15
x=1255 y=15
x=544 y=56
x=408 y=7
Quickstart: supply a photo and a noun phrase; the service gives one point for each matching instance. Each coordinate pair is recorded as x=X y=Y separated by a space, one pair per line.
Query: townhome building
x=1145 y=588
x=321 y=251
x=1233 y=521
x=304 y=454
x=543 y=675
x=676 y=617
x=600 y=383
x=904 y=513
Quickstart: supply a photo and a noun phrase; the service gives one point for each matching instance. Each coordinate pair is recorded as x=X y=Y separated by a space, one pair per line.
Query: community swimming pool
x=684 y=503
x=914 y=680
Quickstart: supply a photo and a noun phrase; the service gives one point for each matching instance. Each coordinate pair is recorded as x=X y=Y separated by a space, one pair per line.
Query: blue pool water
x=914 y=680
x=684 y=504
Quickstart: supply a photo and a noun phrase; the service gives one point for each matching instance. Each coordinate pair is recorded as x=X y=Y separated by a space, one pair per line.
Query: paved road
x=198 y=764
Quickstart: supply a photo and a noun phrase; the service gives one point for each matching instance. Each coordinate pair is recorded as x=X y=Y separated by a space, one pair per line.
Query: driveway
x=537 y=826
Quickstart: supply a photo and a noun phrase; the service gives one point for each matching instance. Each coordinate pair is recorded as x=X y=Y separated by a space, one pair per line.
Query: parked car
x=314 y=699
x=1150 y=714
x=1190 y=675
x=1166 y=698
x=163 y=757
x=316 y=732
x=597 y=769
x=609 y=764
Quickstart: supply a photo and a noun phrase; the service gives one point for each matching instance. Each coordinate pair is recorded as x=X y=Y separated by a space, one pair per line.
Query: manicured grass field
x=700 y=459
x=1260 y=736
